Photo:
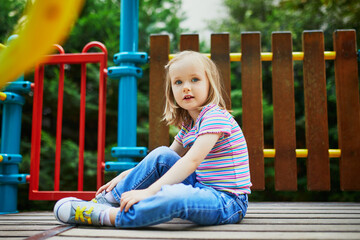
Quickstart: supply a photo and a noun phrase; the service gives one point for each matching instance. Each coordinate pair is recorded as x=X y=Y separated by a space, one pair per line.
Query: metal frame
x=62 y=59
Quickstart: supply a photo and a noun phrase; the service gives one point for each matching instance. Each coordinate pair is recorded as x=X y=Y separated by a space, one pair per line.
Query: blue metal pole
x=127 y=72
x=127 y=108
x=10 y=145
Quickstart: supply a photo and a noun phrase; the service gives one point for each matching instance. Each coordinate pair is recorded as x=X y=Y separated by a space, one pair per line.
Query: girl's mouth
x=188 y=97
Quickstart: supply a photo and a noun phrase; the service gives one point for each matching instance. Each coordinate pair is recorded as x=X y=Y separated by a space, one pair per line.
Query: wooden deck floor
x=263 y=221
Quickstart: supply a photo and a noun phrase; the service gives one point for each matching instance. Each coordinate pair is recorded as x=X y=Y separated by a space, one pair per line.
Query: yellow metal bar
x=302 y=153
x=2 y=96
x=329 y=55
x=334 y=153
x=269 y=153
x=267 y=56
x=298 y=56
x=235 y=57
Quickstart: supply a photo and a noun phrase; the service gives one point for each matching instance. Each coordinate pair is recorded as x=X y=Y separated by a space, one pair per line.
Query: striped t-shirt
x=226 y=167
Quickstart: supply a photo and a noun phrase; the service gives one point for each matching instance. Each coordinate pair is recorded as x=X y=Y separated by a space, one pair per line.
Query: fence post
x=348 y=108
x=159 y=56
x=251 y=81
x=284 y=112
x=316 y=123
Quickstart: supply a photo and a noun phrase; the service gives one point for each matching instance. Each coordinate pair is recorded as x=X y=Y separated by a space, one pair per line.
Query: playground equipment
x=10 y=156
x=35 y=40
x=81 y=58
x=127 y=73
x=12 y=102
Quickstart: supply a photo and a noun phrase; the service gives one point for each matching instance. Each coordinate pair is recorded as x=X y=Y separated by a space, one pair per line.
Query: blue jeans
x=188 y=200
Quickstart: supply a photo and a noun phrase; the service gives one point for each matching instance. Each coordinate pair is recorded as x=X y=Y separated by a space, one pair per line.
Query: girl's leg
x=151 y=168
x=200 y=204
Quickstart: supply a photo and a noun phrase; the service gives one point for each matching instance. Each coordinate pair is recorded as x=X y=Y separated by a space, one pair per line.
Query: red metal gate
x=62 y=59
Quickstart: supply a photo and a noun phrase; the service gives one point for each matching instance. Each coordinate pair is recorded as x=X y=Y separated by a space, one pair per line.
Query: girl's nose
x=186 y=89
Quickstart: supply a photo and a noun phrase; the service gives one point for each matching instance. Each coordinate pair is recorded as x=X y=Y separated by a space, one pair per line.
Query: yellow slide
x=47 y=22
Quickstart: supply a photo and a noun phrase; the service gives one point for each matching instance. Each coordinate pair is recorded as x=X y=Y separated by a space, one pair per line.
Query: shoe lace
x=79 y=213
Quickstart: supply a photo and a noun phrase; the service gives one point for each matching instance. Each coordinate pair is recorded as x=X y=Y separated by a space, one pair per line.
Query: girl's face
x=190 y=85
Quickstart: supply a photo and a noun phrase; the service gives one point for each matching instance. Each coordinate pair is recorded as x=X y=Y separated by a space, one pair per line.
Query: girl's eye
x=178 y=82
x=195 y=80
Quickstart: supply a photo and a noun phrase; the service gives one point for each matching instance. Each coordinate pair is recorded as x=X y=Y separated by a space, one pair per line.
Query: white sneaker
x=76 y=211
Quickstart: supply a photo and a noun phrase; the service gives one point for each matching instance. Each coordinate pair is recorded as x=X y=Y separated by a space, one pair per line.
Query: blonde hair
x=175 y=115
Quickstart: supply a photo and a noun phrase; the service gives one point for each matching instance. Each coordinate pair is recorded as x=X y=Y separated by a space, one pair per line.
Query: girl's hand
x=110 y=185
x=130 y=198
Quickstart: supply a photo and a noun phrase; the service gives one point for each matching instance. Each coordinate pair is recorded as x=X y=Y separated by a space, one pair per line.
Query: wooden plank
x=274 y=220
x=304 y=211
x=304 y=204
x=284 y=112
x=51 y=232
x=293 y=221
x=14 y=238
x=29 y=222
x=91 y=238
x=148 y=234
x=276 y=209
x=4 y=234
x=159 y=56
x=348 y=108
x=260 y=228
x=36 y=217
x=23 y=227
x=305 y=207
x=220 y=54
x=251 y=81
x=28 y=214
x=316 y=123
x=323 y=216
x=189 y=42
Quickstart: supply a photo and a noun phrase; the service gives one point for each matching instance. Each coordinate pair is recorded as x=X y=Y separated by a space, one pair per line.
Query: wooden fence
x=316 y=117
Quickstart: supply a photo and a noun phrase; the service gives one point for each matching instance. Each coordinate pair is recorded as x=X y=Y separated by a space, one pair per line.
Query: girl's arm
x=175 y=146
x=178 y=148
x=110 y=185
x=177 y=173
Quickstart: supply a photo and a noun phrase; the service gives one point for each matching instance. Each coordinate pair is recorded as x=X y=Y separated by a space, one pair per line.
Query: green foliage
x=10 y=13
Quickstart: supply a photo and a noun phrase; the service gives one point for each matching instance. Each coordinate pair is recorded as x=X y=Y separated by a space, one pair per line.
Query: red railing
x=61 y=59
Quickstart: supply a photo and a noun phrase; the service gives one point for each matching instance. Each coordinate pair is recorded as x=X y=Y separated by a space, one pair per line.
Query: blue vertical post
x=127 y=72
x=10 y=145
x=127 y=108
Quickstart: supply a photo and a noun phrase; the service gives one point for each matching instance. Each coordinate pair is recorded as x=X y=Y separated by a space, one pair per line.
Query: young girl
x=202 y=177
